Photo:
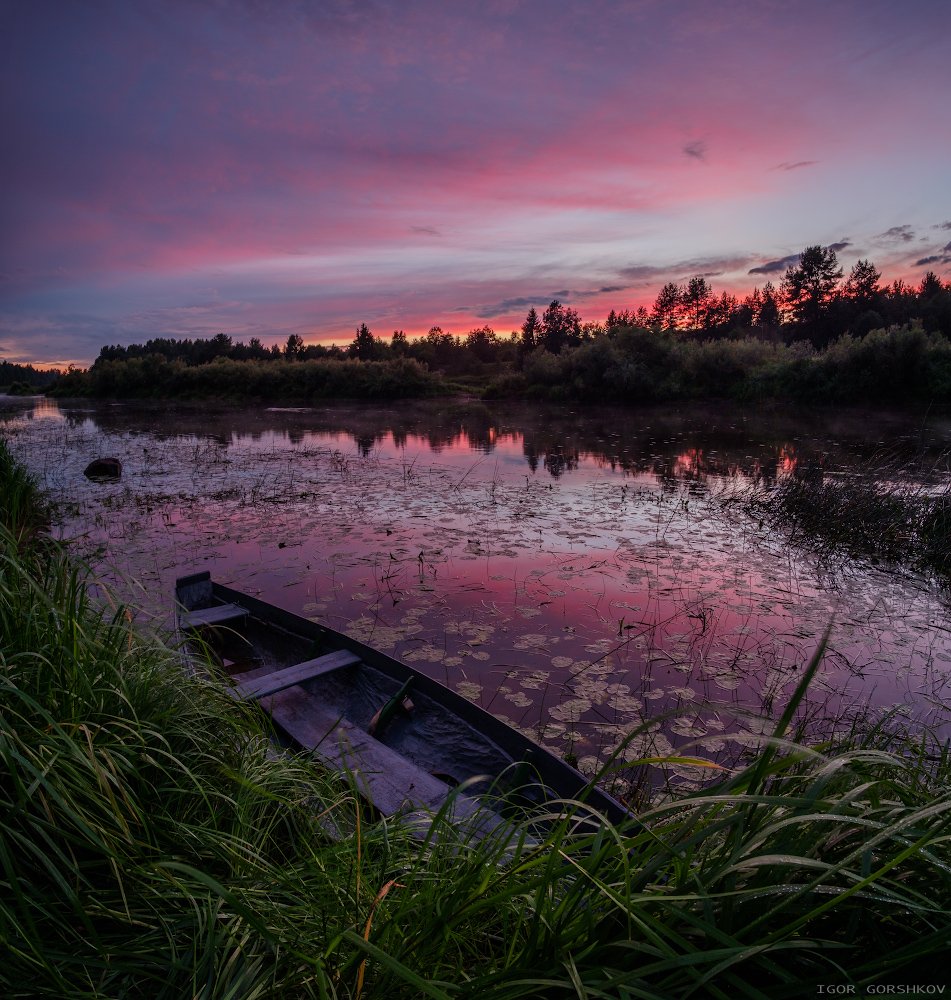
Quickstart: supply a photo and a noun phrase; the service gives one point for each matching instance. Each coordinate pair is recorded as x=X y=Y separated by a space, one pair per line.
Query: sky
x=266 y=167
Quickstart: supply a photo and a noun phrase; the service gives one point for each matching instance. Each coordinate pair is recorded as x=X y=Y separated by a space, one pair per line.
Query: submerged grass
x=867 y=515
x=152 y=843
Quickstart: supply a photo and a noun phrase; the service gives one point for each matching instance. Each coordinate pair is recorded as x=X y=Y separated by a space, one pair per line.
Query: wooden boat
x=406 y=739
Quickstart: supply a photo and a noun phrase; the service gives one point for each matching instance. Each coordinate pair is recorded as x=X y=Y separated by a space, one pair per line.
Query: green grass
x=24 y=512
x=153 y=844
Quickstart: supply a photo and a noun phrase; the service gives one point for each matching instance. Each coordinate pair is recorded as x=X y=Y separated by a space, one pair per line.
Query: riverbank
x=900 y=366
x=153 y=844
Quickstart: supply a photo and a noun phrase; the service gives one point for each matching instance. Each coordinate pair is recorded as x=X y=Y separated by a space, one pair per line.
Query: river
x=596 y=577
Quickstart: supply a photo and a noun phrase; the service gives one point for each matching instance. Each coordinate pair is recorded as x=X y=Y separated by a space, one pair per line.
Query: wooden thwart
x=388 y=780
x=278 y=680
x=384 y=777
x=218 y=615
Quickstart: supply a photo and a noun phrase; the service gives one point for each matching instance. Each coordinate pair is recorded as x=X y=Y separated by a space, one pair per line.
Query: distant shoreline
x=899 y=367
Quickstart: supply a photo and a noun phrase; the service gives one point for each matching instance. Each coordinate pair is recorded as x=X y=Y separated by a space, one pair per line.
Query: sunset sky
x=266 y=167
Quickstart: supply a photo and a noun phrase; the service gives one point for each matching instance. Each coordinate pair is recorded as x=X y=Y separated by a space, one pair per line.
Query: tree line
x=24 y=379
x=667 y=351
x=814 y=302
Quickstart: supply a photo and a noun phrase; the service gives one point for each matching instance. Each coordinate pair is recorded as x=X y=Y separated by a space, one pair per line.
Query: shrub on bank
x=903 y=366
x=153 y=376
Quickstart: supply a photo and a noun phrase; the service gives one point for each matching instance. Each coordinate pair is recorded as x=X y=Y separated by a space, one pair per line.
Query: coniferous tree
x=769 y=315
x=364 y=345
x=294 y=347
x=695 y=300
x=531 y=329
x=930 y=286
x=862 y=284
x=399 y=344
x=809 y=287
x=664 y=313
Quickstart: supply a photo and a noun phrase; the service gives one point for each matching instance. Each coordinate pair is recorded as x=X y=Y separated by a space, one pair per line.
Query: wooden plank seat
x=220 y=614
x=388 y=780
x=260 y=685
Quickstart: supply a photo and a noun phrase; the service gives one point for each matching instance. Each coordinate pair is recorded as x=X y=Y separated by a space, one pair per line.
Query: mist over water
x=579 y=573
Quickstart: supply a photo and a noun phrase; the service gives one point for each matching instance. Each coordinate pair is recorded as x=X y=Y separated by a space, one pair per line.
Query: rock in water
x=104 y=469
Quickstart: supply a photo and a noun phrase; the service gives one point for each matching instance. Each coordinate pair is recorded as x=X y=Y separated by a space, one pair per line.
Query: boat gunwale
x=558 y=775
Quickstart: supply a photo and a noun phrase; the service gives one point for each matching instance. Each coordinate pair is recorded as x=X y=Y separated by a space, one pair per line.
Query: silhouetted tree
x=531 y=329
x=930 y=286
x=769 y=315
x=722 y=313
x=695 y=300
x=862 y=284
x=665 y=308
x=364 y=345
x=483 y=343
x=313 y=351
x=858 y=306
x=26 y=375
x=221 y=345
x=809 y=286
x=561 y=327
x=293 y=347
x=438 y=347
x=591 y=331
x=256 y=349
x=748 y=309
x=399 y=344
x=934 y=304
x=626 y=317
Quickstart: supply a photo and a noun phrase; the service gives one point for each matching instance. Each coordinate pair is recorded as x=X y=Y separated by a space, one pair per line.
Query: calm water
x=583 y=574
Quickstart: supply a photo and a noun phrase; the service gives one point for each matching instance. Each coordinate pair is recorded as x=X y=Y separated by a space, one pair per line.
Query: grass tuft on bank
x=153 y=844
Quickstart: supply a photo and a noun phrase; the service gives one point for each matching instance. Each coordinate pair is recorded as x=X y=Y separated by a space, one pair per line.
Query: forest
x=818 y=337
x=22 y=380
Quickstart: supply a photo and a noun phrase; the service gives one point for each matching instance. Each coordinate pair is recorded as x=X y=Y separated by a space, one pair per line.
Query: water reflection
x=31 y=407
x=686 y=444
x=579 y=573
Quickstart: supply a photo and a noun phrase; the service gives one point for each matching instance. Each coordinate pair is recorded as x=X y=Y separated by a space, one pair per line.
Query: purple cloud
x=903 y=234
x=696 y=150
x=774 y=266
x=797 y=165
